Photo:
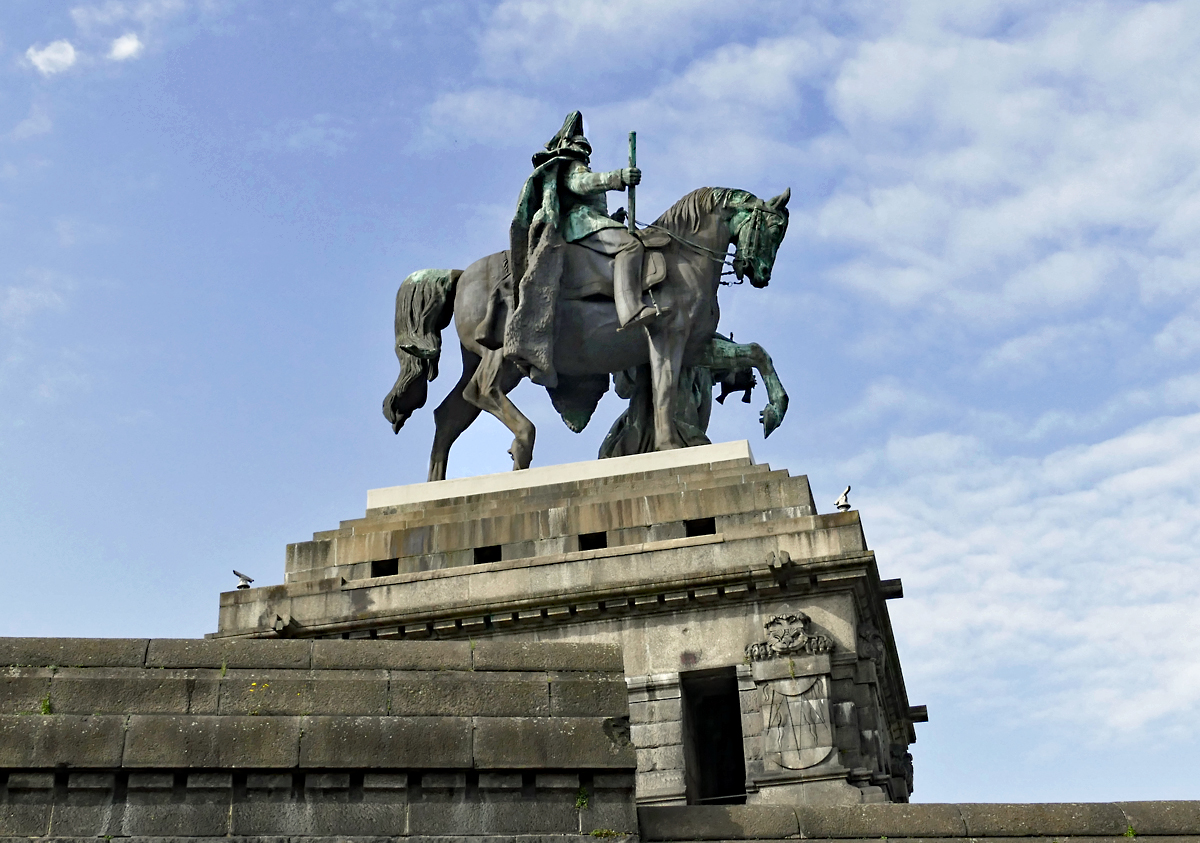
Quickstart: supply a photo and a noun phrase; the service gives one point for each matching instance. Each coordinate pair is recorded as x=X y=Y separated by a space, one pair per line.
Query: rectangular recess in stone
x=700 y=527
x=385 y=567
x=593 y=541
x=487 y=553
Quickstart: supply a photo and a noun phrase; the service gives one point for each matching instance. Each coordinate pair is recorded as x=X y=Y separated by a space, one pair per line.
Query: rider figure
x=585 y=220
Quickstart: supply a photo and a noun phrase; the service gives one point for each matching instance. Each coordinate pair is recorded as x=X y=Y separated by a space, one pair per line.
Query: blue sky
x=986 y=311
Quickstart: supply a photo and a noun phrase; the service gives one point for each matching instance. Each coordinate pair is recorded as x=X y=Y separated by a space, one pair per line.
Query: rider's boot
x=627 y=287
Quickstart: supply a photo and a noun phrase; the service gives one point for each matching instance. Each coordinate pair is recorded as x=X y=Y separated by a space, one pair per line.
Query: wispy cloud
x=20 y=302
x=55 y=57
x=37 y=123
x=494 y=116
x=323 y=133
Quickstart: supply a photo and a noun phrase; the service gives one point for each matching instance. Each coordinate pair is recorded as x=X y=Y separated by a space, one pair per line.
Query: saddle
x=588 y=274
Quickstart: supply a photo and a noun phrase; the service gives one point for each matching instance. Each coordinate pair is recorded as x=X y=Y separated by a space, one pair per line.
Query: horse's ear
x=780 y=201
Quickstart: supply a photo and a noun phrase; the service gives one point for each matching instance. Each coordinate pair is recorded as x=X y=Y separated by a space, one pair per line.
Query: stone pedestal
x=754 y=630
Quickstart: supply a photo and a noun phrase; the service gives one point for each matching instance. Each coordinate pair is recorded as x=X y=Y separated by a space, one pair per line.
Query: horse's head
x=758 y=228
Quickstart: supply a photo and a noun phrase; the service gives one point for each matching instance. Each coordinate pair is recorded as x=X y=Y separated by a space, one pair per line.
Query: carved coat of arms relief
x=791 y=671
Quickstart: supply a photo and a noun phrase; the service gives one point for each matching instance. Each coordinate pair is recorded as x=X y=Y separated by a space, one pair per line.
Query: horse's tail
x=424 y=305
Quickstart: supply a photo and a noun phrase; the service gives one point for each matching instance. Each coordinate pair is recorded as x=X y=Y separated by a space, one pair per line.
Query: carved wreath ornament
x=788 y=635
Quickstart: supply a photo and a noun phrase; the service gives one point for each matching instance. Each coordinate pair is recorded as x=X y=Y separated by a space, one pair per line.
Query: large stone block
x=212 y=742
x=73 y=652
x=874 y=821
x=24 y=819
x=1045 y=820
x=539 y=655
x=141 y=692
x=50 y=741
x=392 y=655
x=1162 y=818
x=250 y=653
x=558 y=742
x=269 y=693
x=386 y=742
x=713 y=822
x=478 y=818
x=27 y=692
x=466 y=694
x=593 y=696
x=335 y=819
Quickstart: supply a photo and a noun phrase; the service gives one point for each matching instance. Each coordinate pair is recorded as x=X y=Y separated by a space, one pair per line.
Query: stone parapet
x=1058 y=821
x=184 y=738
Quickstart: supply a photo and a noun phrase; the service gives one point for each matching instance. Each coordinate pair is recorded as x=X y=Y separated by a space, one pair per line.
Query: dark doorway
x=712 y=738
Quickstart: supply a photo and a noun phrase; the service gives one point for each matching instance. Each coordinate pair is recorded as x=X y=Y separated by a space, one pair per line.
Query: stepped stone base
x=746 y=619
x=161 y=739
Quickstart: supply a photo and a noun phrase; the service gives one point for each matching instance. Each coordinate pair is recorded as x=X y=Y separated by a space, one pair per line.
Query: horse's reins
x=725 y=259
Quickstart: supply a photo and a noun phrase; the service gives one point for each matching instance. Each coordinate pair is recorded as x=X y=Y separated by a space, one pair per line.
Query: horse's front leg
x=726 y=355
x=666 y=360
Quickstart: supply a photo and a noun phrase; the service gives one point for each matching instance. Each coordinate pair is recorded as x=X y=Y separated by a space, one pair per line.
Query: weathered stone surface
x=140 y=692
x=386 y=742
x=320 y=818
x=545 y=742
x=392 y=655
x=212 y=741
x=529 y=655
x=24 y=819
x=1075 y=819
x=272 y=693
x=50 y=741
x=73 y=652
x=712 y=822
x=25 y=693
x=463 y=695
x=880 y=820
x=187 y=652
x=1165 y=818
x=531 y=817
x=593 y=696
x=162 y=817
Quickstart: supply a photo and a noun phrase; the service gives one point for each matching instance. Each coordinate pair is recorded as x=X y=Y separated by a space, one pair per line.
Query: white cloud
x=37 y=123
x=113 y=12
x=55 y=57
x=322 y=133
x=128 y=46
x=1067 y=571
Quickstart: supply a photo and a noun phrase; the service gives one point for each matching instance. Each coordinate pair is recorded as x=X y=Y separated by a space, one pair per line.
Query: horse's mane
x=685 y=216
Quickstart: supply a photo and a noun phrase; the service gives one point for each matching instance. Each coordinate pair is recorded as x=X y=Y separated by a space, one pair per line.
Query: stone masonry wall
x=186 y=738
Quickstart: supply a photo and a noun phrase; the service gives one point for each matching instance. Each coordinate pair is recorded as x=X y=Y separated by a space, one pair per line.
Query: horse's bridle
x=736 y=262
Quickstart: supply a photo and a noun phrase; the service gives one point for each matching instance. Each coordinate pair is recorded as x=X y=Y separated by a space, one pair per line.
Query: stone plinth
x=157 y=739
x=754 y=630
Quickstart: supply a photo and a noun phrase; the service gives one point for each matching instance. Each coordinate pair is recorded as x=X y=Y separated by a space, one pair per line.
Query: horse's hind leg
x=488 y=390
x=452 y=417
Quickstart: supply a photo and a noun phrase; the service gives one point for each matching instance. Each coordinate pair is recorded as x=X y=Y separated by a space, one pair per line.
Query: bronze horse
x=588 y=346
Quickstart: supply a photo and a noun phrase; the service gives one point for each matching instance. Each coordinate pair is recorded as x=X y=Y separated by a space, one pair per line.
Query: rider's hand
x=631 y=175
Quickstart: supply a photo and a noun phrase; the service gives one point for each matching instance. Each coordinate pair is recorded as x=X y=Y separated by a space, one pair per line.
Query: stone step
x=568 y=489
x=488 y=507
x=531 y=527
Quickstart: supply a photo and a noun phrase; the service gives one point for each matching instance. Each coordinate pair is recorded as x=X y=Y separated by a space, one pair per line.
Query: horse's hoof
x=521 y=456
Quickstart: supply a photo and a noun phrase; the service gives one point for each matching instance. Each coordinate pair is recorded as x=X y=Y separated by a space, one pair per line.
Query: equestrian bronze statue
x=578 y=297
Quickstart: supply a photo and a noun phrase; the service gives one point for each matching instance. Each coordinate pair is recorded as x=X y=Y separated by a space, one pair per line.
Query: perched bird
x=842 y=503
x=243 y=580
